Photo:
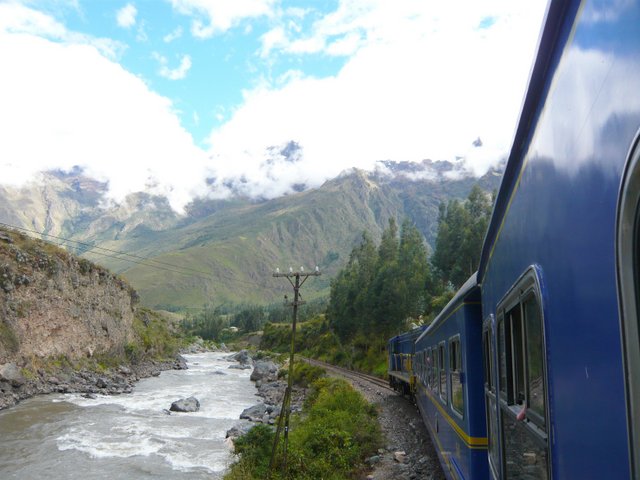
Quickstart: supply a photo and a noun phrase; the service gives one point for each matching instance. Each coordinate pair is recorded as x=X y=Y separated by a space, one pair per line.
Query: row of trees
x=380 y=286
x=384 y=286
x=212 y=321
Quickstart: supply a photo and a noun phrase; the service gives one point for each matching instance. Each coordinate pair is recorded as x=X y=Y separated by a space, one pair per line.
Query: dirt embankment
x=55 y=304
x=56 y=308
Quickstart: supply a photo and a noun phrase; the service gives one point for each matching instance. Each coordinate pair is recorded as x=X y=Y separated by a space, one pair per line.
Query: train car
x=560 y=266
x=448 y=365
x=400 y=370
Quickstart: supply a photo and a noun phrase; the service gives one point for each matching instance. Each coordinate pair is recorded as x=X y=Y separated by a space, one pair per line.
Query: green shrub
x=336 y=431
x=154 y=339
x=305 y=374
x=254 y=447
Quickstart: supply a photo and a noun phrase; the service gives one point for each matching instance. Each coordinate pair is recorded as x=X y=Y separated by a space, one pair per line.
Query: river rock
x=255 y=413
x=373 y=460
x=242 y=357
x=102 y=383
x=265 y=371
x=190 y=404
x=240 y=367
x=9 y=372
x=400 y=456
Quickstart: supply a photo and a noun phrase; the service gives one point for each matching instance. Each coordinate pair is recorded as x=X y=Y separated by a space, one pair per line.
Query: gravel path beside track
x=403 y=429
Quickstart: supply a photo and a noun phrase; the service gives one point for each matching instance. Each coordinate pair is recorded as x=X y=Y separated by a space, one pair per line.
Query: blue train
x=532 y=371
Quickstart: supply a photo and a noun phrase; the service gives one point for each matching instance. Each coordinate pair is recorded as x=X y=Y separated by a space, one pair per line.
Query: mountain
x=226 y=250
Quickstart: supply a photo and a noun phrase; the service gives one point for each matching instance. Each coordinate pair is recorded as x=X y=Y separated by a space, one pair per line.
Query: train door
x=490 y=398
x=521 y=383
x=628 y=260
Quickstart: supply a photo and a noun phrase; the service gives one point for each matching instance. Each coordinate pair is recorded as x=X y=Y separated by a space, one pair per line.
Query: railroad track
x=380 y=382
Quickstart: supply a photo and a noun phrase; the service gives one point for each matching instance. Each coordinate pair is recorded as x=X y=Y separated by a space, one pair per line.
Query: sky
x=212 y=98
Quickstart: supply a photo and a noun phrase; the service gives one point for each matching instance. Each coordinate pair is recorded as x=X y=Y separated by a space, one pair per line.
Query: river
x=130 y=436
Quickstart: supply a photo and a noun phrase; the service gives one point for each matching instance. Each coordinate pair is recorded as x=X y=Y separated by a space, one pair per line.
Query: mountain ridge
x=235 y=244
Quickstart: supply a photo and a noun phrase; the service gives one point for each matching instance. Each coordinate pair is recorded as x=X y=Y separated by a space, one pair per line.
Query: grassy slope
x=237 y=244
x=241 y=247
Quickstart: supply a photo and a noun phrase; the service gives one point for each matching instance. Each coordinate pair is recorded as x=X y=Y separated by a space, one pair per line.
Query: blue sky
x=176 y=92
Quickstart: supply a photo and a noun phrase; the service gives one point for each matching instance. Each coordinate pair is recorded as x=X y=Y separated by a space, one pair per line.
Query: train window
x=434 y=369
x=486 y=360
x=455 y=370
x=504 y=351
x=535 y=360
x=425 y=362
x=442 y=381
x=628 y=263
x=516 y=382
x=522 y=382
x=490 y=397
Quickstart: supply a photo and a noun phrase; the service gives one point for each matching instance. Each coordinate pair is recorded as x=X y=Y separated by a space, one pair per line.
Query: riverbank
x=17 y=384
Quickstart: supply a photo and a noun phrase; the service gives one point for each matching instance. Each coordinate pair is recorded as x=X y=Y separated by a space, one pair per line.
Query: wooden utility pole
x=285 y=411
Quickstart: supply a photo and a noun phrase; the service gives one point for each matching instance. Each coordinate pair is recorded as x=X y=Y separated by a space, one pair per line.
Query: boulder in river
x=265 y=371
x=190 y=404
x=242 y=357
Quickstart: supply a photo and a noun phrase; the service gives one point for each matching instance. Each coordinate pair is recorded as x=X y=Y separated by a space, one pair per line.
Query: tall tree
x=413 y=262
x=461 y=230
x=348 y=308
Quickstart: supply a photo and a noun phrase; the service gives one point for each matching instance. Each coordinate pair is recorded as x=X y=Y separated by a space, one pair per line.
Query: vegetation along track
x=408 y=452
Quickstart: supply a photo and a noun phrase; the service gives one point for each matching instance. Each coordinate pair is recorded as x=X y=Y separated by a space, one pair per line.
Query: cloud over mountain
x=415 y=81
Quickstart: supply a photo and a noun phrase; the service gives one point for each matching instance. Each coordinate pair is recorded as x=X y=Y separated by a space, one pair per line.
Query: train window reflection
x=502 y=361
x=522 y=402
x=443 y=372
x=535 y=380
x=455 y=367
x=516 y=393
x=434 y=370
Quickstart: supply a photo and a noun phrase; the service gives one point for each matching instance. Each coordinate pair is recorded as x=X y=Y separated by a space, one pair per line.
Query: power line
x=93 y=246
x=185 y=270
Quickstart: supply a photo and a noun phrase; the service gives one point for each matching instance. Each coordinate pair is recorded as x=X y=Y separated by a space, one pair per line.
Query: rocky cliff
x=53 y=304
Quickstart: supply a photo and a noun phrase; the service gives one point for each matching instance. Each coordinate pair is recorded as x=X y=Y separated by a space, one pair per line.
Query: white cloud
x=274 y=38
x=423 y=81
x=218 y=16
x=177 y=73
x=16 y=18
x=66 y=104
x=141 y=34
x=126 y=16
x=174 y=35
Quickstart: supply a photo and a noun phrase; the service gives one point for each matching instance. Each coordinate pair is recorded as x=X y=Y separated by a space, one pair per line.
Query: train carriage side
x=448 y=357
x=560 y=266
x=401 y=369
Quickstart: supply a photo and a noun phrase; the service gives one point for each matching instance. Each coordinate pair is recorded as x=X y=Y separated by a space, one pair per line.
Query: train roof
x=537 y=90
x=469 y=287
x=409 y=333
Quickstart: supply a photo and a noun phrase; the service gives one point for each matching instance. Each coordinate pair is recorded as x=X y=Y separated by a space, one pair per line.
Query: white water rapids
x=130 y=436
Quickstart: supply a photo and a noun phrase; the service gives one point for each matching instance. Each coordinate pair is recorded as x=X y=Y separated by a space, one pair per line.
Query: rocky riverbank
x=270 y=388
x=17 y=385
